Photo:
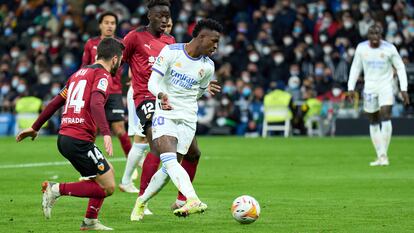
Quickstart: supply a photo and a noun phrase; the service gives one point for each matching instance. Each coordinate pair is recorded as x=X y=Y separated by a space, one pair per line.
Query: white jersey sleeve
x=206 y=81
x=400 y=67
x=356 y=68
x=163 y=61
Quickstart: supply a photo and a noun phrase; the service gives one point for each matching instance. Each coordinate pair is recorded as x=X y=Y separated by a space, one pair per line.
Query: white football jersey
x=377 y=64
x=184 y=78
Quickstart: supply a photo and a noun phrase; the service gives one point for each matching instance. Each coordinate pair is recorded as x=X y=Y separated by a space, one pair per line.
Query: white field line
x=46 y=164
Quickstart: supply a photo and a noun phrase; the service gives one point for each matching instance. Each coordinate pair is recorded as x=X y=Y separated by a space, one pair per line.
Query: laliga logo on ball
x=245 y=209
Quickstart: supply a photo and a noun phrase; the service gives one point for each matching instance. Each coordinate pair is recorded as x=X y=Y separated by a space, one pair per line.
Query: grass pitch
x=302 y=185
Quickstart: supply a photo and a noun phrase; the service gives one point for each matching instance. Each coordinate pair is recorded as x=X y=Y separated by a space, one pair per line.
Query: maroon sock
x=125 y=143
x=191 y=168
x=87 y=188
x=149 y=168
x=94 y=205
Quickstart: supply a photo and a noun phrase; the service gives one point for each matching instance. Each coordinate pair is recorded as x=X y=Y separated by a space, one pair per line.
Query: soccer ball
x=245 y=209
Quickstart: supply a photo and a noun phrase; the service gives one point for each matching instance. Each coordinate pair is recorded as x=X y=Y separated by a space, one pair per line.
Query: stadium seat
x=6 y=124
x=277 y=115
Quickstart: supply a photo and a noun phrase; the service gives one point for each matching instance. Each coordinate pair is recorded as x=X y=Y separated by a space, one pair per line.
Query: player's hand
x=108 y=145
x=29 y=132
x=406 y=98
x=351 y=96
x=213 y=87
x=165 y=104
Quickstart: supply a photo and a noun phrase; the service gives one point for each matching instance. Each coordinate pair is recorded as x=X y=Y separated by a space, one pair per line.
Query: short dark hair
x=152 y=3
x=210 y=24
x=107 y=13
x=108 y=48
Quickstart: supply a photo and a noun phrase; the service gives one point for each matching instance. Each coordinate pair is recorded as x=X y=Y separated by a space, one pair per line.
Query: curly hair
x=152 y=3
x=207 y=24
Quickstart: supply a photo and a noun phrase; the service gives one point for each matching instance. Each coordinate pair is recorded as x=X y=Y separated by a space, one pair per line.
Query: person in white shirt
x=181 y=75
x=378 y=59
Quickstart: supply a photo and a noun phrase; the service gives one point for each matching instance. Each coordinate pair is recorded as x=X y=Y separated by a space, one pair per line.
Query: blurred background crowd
x=304 y=48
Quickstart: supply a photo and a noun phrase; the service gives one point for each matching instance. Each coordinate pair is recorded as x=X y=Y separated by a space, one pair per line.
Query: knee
x=118 y=129
x=109 y=190
x=193 y=156
x=386 y=117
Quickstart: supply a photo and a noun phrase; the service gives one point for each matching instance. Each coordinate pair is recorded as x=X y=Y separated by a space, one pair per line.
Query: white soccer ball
x=245 y=209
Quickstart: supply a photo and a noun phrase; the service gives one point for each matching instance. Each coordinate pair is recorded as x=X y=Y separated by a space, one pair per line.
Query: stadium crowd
x=302 y=47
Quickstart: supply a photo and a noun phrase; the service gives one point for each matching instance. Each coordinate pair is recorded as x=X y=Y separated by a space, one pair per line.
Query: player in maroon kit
x=142 y=46
x=83 y=98
x=114 y=108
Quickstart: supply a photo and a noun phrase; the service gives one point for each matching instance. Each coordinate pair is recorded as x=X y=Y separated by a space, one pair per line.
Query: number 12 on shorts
x=159 y=120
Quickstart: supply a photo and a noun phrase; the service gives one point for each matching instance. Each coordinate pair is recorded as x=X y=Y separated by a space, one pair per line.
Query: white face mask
x=327 y=49
x=347 y=24
x=254 y=57
x=323 y=38
x=278 y=59
x=266 y=50
x=287 y=41
x=336 y=91
x=351 y=52
x=386 y=6
x=308 y=40
x=14 y=54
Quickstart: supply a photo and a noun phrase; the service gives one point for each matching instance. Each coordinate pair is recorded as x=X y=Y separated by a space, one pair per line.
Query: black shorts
x=145 y=111
x=114 y=108
x=87 y=159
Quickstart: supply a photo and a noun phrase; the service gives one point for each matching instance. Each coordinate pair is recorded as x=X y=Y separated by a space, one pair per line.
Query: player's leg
x=135 y=155
x=371 y=107
x=89 y=162
x=386 y=127
x=189 y=162
x=114 y=110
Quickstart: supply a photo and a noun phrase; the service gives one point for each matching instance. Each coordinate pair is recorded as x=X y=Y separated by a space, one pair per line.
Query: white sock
x=178 y=175
x=158 y=181
x=377 y=139
x=134 y=156
x=386 y=131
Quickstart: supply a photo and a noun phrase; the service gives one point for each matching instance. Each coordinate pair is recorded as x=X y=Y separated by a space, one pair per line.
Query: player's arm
x=54 y=105
x=402 y=74
x=129 y=42
x=208 y=85
x=159 y=68
x=356 y=68
x=86 y=57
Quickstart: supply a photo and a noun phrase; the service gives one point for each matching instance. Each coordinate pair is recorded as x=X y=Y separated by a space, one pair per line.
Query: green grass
x=302 y=185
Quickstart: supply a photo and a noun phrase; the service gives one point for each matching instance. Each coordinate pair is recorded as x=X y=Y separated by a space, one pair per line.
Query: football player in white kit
x=378 y=59
x=180 y=76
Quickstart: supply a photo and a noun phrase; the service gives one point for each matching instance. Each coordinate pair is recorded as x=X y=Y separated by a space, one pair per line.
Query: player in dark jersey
x=83 y=98
x=142 y=46
x=114 y=107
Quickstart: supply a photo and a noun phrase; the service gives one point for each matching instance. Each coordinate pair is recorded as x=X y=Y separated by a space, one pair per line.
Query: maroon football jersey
x=89 y=57
x=77 y=121
x=141 y=50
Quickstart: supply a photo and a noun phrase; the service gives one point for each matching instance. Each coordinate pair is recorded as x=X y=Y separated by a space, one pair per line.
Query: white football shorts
x=373 y=101
x=183 y=130
x=134 y=124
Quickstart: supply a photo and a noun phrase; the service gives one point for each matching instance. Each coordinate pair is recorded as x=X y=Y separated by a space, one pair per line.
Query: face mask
x=404 y=53
x=225 y=2
x=308 y=40
x=318 y=71
x=266 y=50
x=44 y=79
x=278 y=59
x=344 y=6
x=85 y=37
x=347 y=24
x=242 y=29
x=287 y=41
x=294 y=73
x=327 y=49
x=228 y=49
x=410 y=30
x=66 y=34
x=15 y=82
x=323 y=38
x=21 y=88
x=297 y=30
x=351 y=52
x=67 y=62
x=5 y=90
x=55 y=43
x=293 y=83
x=60 y=2
x=404 y=22
x=14 y=54
x=183 y=17
x=30 y=31
x=56 y=70
x=245 y=78
x=254 y=57
x=35 y=44
x=134 y=21
x=336 y=91
x=228 y=89
x=179 y=29
x=389 y=18
x=363 y=9
x=386 y=6
x=270 y=18
x=141 y=10
x=246 y=91
x=55 y=90
x=22 y=69
x=398 y=40
x=321 y=8
x=225 y=102
x=68 y=23
x=45 y=14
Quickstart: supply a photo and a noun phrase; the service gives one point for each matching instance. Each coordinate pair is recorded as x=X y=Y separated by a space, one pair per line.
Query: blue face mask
x=22 y=69
x=297 y=30
x=246 y=92
x=318 y=71
x=228 y=89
